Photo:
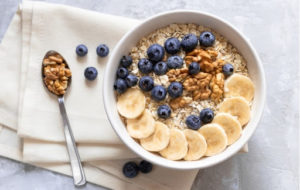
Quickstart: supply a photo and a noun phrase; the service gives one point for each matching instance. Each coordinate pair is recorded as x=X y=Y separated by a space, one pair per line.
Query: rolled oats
x=202 y=90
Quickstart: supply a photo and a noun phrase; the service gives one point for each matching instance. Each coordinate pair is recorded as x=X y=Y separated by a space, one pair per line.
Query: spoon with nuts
x=57 y=78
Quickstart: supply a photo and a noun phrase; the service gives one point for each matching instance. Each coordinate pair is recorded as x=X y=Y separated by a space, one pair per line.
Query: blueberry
x=194 y=68
x=158 y=93
x=206 y=39
x=207 y=115
x=145 y=66
x=189 y=42
x=172 y=45
x=130 y=169
x=155 y=52
x=228 y=69
x=90 y=73
x=81 y=50
x=175 y=62
x=126 y=61
x=131 y=80
x=175 y=89
x=193 y=122
x=164 y=111
x=160 y=68
x=145 y=166
x=146 y=83
x=102 y=50
x=120 y=86
x=122 y=72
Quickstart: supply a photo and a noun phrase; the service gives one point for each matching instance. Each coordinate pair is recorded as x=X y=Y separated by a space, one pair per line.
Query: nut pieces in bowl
x=193 y=96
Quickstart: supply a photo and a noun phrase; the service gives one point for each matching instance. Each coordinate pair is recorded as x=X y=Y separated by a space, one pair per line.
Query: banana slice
x=177 y=147
x=141 y=127
x=196 y=145
x=231 y=125
x=239 y=85
x=215 y=137
x=132 y=103
x=158 y=140
x=236 y=106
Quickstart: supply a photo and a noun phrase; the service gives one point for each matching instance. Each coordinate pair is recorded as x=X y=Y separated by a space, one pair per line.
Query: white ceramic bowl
x=222 y=27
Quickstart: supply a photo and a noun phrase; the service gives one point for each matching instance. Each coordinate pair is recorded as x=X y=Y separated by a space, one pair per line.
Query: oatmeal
x=193 y=86
x=222 y=50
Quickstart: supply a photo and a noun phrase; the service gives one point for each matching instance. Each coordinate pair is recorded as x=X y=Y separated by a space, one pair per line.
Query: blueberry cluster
x=195 y=122
x=154 y=63
x=102 y=50
x=124 y=78
x=131 y=169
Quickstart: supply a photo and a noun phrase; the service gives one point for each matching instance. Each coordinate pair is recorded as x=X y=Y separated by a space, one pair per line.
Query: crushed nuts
x=180 y=102
x=56 y=74
x=177 y=74
x=199 y=85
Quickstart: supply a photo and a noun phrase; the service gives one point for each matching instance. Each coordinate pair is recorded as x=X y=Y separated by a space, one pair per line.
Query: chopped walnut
x=199 y=85
x=199 y=55
x=177 y=74
x=180 y=102
x=217 y=87
x=56 y=74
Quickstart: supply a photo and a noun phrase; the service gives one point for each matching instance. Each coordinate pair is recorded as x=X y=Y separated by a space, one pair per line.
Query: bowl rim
x=169 y=163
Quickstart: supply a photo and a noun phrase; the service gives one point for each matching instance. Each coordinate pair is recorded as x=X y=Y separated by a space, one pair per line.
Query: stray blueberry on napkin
x=130 y=169
x=90 y=73
x=102 y=50
x=81 y=50
x=145 y=166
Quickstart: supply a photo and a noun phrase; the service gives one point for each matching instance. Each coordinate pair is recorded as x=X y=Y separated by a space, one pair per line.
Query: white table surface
x=272 y=27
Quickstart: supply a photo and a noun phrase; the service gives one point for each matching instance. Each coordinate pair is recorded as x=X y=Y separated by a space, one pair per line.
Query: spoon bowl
x=47 y=55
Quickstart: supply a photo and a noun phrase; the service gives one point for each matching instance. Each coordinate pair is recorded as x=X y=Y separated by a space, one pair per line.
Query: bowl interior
x=221 y=27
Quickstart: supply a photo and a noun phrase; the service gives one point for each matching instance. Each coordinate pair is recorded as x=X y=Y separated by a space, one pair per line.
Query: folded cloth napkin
x=106 y=173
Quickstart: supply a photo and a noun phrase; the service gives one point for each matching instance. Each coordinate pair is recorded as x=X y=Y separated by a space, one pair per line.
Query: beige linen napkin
x=11 y=144
x=40 y=113
x=105 y=173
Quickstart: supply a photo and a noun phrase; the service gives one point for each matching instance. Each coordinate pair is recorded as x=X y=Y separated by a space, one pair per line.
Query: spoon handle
x=77 y=170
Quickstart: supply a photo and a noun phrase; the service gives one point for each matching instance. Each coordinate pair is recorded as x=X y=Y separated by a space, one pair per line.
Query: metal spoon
x=77 y=170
